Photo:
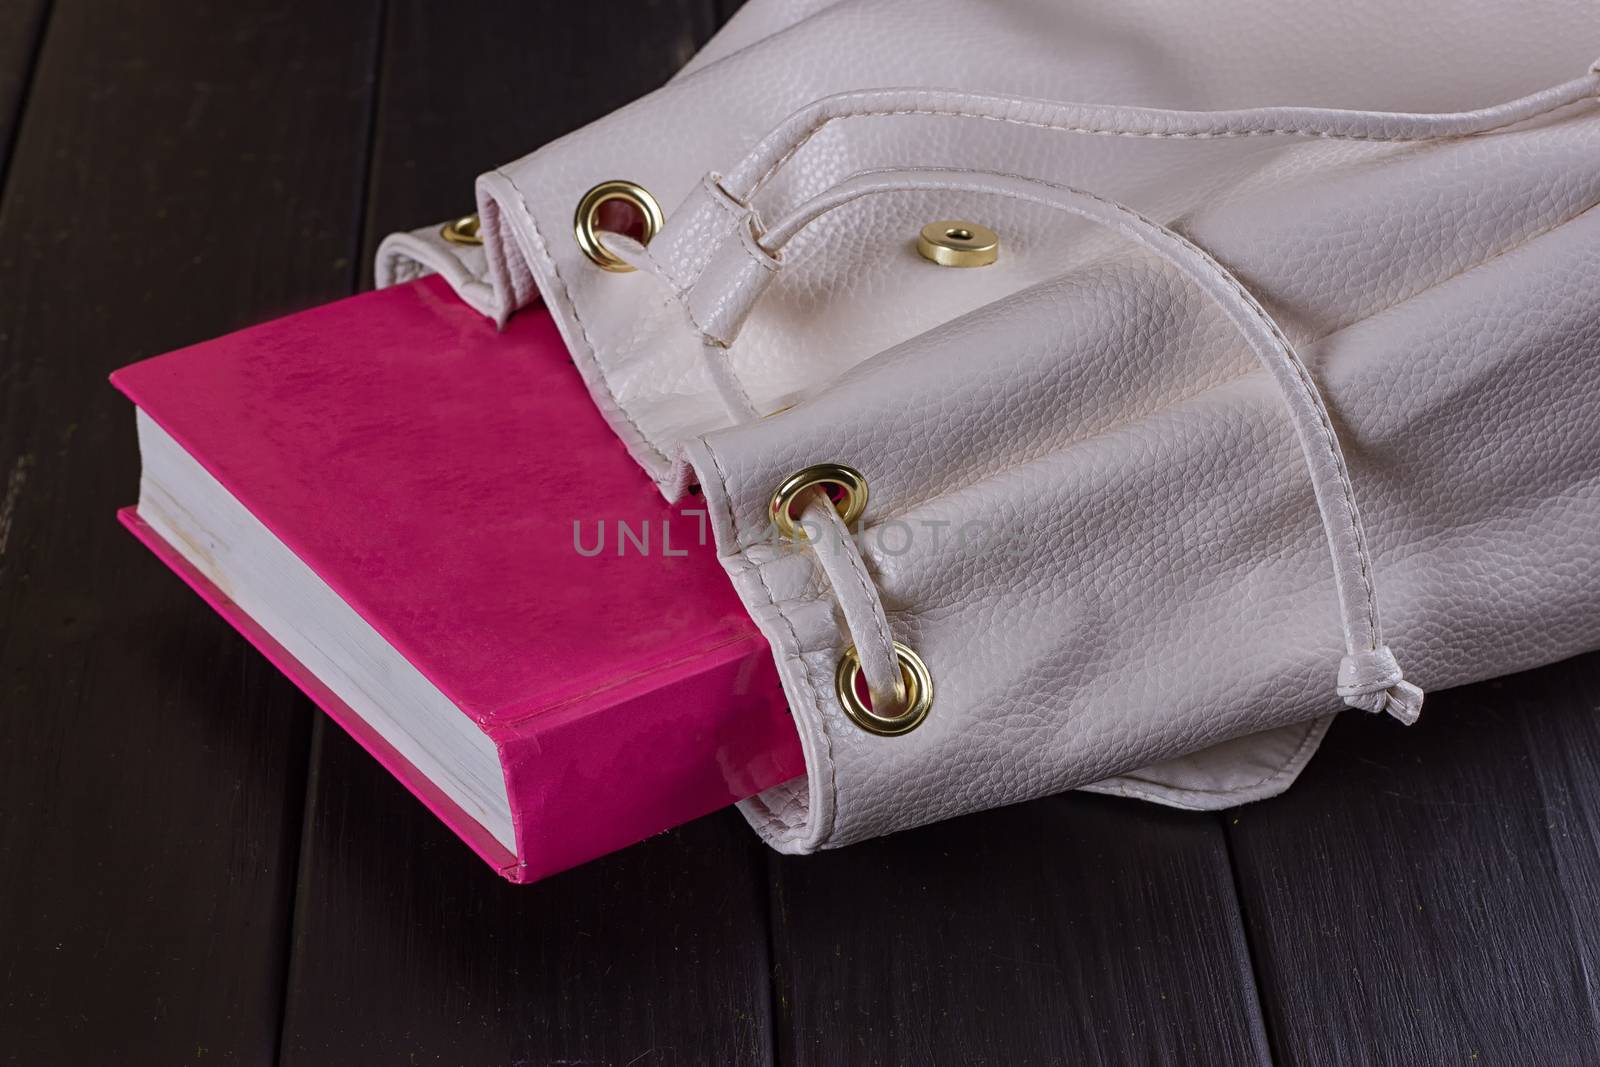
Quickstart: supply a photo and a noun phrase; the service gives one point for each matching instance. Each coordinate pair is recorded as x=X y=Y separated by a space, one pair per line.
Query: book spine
x=449 y=812
x=649 y=754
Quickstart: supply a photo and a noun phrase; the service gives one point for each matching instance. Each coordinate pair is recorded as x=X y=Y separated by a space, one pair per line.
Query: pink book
x=428 y=526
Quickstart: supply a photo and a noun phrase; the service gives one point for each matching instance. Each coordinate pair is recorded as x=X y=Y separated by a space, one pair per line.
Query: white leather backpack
x=1096 y=322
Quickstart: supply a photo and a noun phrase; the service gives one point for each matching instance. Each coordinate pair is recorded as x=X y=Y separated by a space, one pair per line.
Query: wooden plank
x=408 y=949
x=181 y=169
x=1075 y=929
x=1432 y=894
x=21 y=28
x=466 y=89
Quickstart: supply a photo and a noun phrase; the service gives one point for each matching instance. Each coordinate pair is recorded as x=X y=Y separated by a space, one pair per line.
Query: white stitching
x=794 y=637
x=1196 y=135
x=571 y=306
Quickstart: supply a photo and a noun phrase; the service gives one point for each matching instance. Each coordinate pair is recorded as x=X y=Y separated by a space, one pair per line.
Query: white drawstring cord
x=830 y=539
x=1369 y=676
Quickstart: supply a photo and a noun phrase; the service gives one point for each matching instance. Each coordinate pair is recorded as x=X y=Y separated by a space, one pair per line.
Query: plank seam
x=360 y=225
x=1262 y=1020
x=19 y=113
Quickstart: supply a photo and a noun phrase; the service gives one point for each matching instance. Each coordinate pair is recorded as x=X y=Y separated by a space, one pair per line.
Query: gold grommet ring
x=851 y=500
x=463 y=231
x=953 y=243
x=919 y=693
x=585 y=224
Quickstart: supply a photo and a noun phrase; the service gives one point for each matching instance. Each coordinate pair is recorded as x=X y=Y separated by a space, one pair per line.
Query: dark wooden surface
x=1077 y=929
x=194 y=868
x=180 y=169
x=1435 y=892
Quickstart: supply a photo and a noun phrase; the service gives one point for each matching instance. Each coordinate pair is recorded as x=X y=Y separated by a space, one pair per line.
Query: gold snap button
x=918 y=688
x=953 y=243
x=586 y=222
x=463 y=231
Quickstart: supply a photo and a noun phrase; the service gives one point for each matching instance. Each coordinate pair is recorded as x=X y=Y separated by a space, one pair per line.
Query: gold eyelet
x=919 y=693
x=584 y=221
x=850 y=506
x=953 y=243
x=463 y=231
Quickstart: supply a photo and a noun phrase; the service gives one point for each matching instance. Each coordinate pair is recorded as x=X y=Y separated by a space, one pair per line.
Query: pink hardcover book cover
x=431 y=470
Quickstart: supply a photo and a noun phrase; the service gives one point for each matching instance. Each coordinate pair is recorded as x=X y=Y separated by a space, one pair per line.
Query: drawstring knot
x=1372 y=681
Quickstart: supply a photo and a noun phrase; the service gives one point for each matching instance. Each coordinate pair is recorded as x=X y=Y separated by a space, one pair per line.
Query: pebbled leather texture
x=1088 y=511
